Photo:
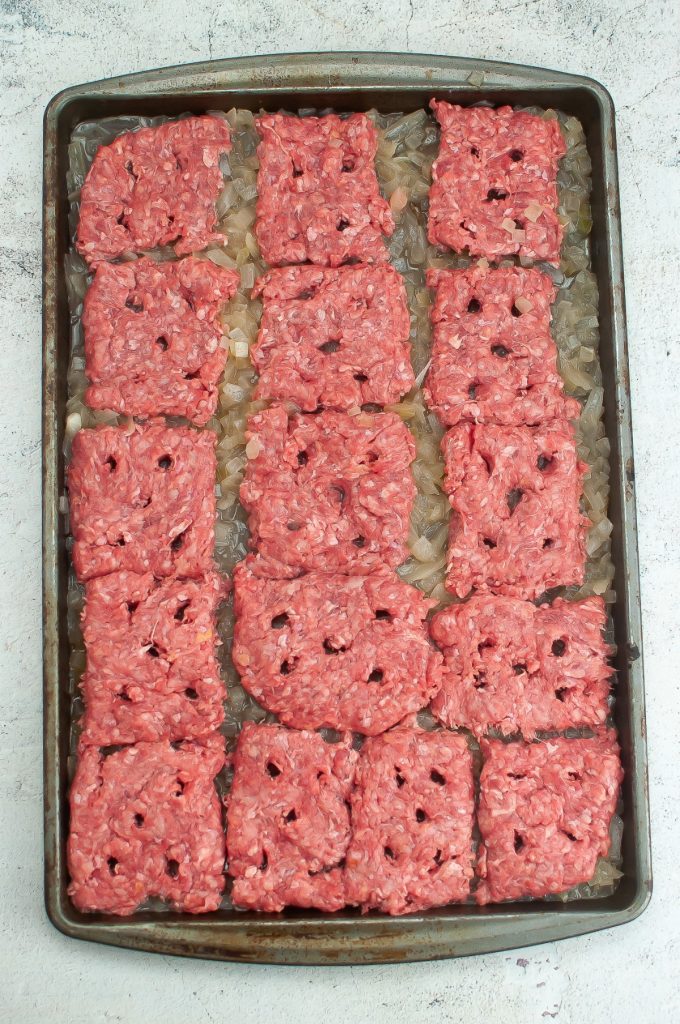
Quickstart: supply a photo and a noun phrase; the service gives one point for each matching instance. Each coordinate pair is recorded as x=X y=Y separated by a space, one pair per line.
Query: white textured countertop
x=630 y=973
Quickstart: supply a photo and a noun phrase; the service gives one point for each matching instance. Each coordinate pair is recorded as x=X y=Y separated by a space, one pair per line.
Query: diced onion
x=533 y=212
x=398 y=199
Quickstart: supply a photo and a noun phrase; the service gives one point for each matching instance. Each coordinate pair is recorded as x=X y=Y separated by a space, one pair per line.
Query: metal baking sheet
x=347 y=81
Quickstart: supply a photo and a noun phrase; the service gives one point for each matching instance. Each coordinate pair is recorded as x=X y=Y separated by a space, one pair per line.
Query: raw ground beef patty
x=493 y=358
x=494 y=183
x=146 y=821
x=544 y=814
x=412 y=813
x=142 y=499
x=336 y=338
x=152 y=337
x=151 y=667
x=318 y=192
x=347 y=652
x=152 y=187
x=511 y=666
x=517 y=528
x=288 y=821
x=328 y=492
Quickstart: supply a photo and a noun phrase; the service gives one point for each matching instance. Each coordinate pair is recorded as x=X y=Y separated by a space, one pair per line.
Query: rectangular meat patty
x=143 y=499
x=574 y=656
x=328 y=492
x=346 y=652
x=494 y=183
x=152 y=187
x=153 y=337
x=493 y=358
x=151 y=669
x=146 y=821
x=544 y=814
x=510 y=666
x=319 y=200
x=336 y=338
x=517 y=528
x=288 y=824
x=412 y=814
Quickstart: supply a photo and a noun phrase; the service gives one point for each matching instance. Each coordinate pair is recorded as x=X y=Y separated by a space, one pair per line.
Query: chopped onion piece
x=421 y=376
x=423 y=550
x=73 y=424
x=533 y=211
x=398 y=199
x=220 y=257
x=247 y=275
x=236 y=334
x=253 y=448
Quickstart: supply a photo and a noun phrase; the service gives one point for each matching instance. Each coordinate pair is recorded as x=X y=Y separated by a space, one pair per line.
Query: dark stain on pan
x=613 y=200
x=632 y=651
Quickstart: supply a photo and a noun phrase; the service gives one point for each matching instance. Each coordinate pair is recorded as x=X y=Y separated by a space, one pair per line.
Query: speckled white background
x=631 y=973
